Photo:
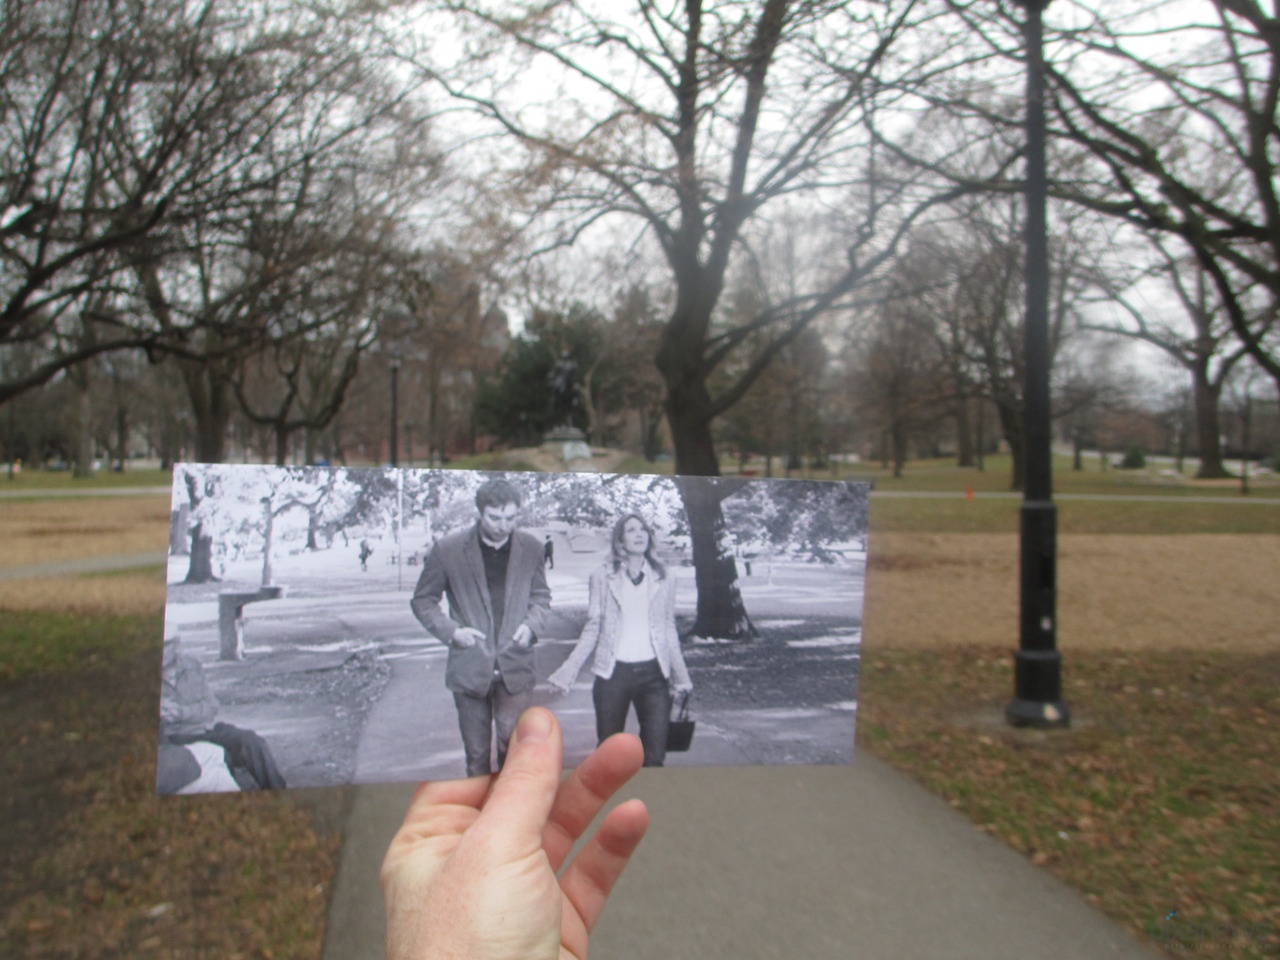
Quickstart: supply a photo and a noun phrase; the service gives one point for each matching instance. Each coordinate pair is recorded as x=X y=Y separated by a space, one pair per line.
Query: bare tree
x=693 y=119
x=1208 y=351
x=1166 y=124
x=143 y=144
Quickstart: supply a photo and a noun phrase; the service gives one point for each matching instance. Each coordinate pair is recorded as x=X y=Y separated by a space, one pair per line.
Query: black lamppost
x=1037 y=695
x=395 y=412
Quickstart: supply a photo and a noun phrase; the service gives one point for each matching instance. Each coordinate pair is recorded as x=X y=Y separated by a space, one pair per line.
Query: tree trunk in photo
x=721 y=612
x=313 y=529
x=268 y=524
x=201 y=568
x=1208 y=427
x=179 y=544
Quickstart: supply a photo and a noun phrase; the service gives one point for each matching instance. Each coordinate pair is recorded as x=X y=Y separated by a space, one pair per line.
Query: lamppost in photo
x=395 y=412
x=1037 y=696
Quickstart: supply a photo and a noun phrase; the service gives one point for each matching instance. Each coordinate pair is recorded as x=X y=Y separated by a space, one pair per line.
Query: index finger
x=585 y=792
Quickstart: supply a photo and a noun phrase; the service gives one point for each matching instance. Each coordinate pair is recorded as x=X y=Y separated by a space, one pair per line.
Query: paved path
x=786 y=862
x=40 y=493
x=745 y=862
x=79 y=565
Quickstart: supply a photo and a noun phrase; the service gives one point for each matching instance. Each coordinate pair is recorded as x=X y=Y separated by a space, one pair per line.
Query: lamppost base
x=1041 y=714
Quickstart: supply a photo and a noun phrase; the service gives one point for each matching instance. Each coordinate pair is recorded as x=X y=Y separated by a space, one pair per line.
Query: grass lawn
x=1162 y=797
x=944 y=475
x=92 y=863
x=40 y=481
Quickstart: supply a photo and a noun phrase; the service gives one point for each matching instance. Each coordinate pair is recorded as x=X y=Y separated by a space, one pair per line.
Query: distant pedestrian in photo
x=492 y=575
x=366 y=552
x=631 y=629
x=549 y=553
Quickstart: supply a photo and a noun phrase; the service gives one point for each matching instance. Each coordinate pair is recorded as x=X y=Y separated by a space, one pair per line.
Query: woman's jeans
x=641 y=684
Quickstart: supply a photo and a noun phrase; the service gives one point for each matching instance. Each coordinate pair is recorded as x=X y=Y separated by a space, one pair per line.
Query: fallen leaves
x=1164 y=792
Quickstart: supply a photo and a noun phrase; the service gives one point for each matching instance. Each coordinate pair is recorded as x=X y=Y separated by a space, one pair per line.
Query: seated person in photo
x=198 y=754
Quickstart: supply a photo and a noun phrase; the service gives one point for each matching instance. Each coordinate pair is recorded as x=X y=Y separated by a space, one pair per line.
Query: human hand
x=467 y=637
x=523 y=636
x=471 y=851
x=682 y=686
x=558 y=684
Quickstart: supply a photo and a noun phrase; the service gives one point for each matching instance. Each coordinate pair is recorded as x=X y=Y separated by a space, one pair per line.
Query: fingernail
x=534 y=727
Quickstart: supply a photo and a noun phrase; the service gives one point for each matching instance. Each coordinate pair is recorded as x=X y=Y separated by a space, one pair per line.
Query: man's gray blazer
x=455 y=569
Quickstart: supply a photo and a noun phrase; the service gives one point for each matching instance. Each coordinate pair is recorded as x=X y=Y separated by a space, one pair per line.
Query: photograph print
x=328 y=626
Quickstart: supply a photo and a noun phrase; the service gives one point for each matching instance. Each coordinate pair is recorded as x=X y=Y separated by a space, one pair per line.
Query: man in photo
x=499 y=601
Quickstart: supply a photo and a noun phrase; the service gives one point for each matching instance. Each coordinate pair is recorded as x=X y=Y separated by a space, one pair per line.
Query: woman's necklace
x=638 y=577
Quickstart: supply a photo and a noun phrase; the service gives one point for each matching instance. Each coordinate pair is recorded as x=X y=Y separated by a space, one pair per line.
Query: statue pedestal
x=571 y=444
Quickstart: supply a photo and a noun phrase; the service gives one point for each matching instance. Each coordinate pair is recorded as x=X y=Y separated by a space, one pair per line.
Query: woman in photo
x=631 y=627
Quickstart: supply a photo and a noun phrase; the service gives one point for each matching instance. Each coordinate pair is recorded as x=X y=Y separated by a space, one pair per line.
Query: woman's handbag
x=680 y=731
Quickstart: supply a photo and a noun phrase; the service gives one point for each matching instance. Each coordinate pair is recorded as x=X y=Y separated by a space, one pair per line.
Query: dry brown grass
x=44 y=531
x=122 y=594
x=1203 y=591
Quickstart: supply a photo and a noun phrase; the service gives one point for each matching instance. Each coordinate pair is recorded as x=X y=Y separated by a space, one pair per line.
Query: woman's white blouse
x=634 y=643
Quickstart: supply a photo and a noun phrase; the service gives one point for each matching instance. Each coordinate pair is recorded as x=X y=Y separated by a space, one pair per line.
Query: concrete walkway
x=81 y=565
x=786 y=862
x=750 y=862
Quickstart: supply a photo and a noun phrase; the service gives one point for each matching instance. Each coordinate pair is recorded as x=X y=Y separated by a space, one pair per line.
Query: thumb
x=524 y=791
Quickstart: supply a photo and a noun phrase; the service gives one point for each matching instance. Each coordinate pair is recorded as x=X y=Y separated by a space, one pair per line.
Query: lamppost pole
x=395 y=412
x=1037 y=698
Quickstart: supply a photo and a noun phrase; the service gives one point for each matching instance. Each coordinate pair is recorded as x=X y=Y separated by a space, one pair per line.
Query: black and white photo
x=328 y=626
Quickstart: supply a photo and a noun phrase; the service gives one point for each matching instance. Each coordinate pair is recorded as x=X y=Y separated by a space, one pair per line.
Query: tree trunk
x=178 y=542
x=201 y=567
x=282 y=446
x=313 y=529
x=964 y=434
x=1208 y=428
x=981 y=436
x=721 y=612
x=268 y=524
x=898 y=434
x=1011 y=422
x=209 y=389
x=82 y=455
